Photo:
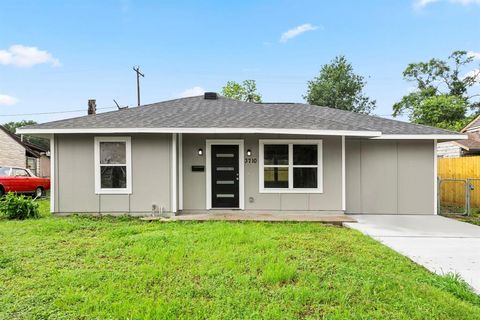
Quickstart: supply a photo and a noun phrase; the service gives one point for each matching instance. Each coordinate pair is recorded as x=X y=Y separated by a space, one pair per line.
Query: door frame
x=241 y=161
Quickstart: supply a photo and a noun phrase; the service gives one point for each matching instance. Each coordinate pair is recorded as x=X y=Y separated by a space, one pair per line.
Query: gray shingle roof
x=196 y=112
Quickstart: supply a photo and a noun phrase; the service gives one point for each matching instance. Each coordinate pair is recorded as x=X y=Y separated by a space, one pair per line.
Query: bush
x=14 y=206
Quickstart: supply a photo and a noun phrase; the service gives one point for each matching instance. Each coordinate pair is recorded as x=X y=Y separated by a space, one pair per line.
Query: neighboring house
x=16 y=153
x=211 y=153
x=462 y=148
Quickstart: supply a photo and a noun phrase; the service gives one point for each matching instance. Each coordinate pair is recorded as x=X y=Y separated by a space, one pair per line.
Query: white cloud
x=420 y=4
x=292 y=33
x=7 y=100
x=412 y=89
x=474 y=73
x=474 y=55
x=22 y=56
x=191 y=92
x=466 y=2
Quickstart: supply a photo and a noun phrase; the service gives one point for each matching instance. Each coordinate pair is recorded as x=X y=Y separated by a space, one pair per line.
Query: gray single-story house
x=207 y=153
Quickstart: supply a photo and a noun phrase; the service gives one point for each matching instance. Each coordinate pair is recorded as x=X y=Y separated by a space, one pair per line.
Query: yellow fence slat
x=453 y=193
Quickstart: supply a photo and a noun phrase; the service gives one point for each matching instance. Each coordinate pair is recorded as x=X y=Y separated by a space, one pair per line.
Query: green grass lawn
x=84 y=268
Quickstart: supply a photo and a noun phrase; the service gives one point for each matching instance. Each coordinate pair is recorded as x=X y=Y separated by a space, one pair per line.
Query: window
x=291 y=166
x=20 y=173
x=275 y=171
x=113 y=165
x=4 y=171
x=32 y=165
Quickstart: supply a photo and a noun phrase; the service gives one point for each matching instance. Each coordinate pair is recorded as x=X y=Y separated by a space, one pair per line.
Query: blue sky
x=55 y=55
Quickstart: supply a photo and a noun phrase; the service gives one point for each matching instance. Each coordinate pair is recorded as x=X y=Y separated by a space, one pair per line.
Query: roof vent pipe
x=210 y=96
x=92 y=107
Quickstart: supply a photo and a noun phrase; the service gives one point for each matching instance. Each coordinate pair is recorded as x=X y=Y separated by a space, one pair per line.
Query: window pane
x=32 y=165
x=4 y=171
x=20 y=173
x=113 y=152
x=275 y=177
x=305 y=154
x=275 y=154
x=113 y=177
x=305 y=178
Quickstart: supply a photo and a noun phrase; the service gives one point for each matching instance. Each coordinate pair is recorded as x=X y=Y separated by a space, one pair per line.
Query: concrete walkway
x=440 y=244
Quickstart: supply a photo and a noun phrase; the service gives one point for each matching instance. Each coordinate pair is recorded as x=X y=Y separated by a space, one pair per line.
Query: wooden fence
x=453 y=192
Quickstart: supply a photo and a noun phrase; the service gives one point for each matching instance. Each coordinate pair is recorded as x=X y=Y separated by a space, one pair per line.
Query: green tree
x=13 y=125
x=445 y=111
x=246 y=91
x=441 y=96
x=337 y=86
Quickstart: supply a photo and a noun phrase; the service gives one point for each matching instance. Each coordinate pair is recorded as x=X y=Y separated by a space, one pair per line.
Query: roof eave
x=460 y=145
x=445 y=137
x=36 y=131
x=467 y=127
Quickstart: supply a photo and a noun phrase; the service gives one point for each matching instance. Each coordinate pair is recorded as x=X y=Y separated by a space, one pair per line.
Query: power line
x=51 y=112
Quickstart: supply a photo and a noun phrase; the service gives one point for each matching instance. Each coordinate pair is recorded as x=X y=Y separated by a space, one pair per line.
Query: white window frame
x=128 y=164
x=290 y=166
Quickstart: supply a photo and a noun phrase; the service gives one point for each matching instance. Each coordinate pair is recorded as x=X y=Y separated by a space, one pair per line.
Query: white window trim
x=241 y=171
x=290 y=189
x=128 y=155
x=180 y=171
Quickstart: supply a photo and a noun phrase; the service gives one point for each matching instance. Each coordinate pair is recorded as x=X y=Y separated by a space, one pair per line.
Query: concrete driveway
x=440 y=244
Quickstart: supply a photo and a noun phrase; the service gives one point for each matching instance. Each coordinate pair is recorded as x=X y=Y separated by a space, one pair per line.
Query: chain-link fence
x=458 y=196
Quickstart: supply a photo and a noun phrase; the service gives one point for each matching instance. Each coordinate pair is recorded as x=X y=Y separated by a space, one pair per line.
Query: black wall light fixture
x=249 y=152
x=200 y=152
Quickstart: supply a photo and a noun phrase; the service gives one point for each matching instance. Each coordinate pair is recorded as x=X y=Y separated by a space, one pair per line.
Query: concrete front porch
x=335 y=219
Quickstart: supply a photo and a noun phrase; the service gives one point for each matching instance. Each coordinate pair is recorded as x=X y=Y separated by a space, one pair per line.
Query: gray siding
x=75 y=180
x=448 y=150
x=194 y=183
x=390 y=177
x=74 y=174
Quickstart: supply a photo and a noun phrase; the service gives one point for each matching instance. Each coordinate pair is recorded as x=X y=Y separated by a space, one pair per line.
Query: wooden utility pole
x=137 y=70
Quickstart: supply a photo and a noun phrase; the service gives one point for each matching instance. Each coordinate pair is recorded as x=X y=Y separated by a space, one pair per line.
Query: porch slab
x=268 y=217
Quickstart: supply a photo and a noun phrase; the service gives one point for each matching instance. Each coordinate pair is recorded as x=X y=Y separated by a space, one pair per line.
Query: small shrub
x=19 y=207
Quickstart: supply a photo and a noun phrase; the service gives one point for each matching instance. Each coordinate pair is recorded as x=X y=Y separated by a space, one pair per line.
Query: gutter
x=347 y=133
x=446 y=137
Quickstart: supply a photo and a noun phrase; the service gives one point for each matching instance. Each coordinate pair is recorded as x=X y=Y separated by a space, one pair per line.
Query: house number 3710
x=250 y=160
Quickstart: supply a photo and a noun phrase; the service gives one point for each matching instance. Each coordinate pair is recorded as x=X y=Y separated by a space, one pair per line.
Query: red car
x=20 y=180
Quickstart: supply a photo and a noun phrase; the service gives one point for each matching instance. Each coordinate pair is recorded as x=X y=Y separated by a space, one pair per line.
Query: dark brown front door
x=225 y=176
